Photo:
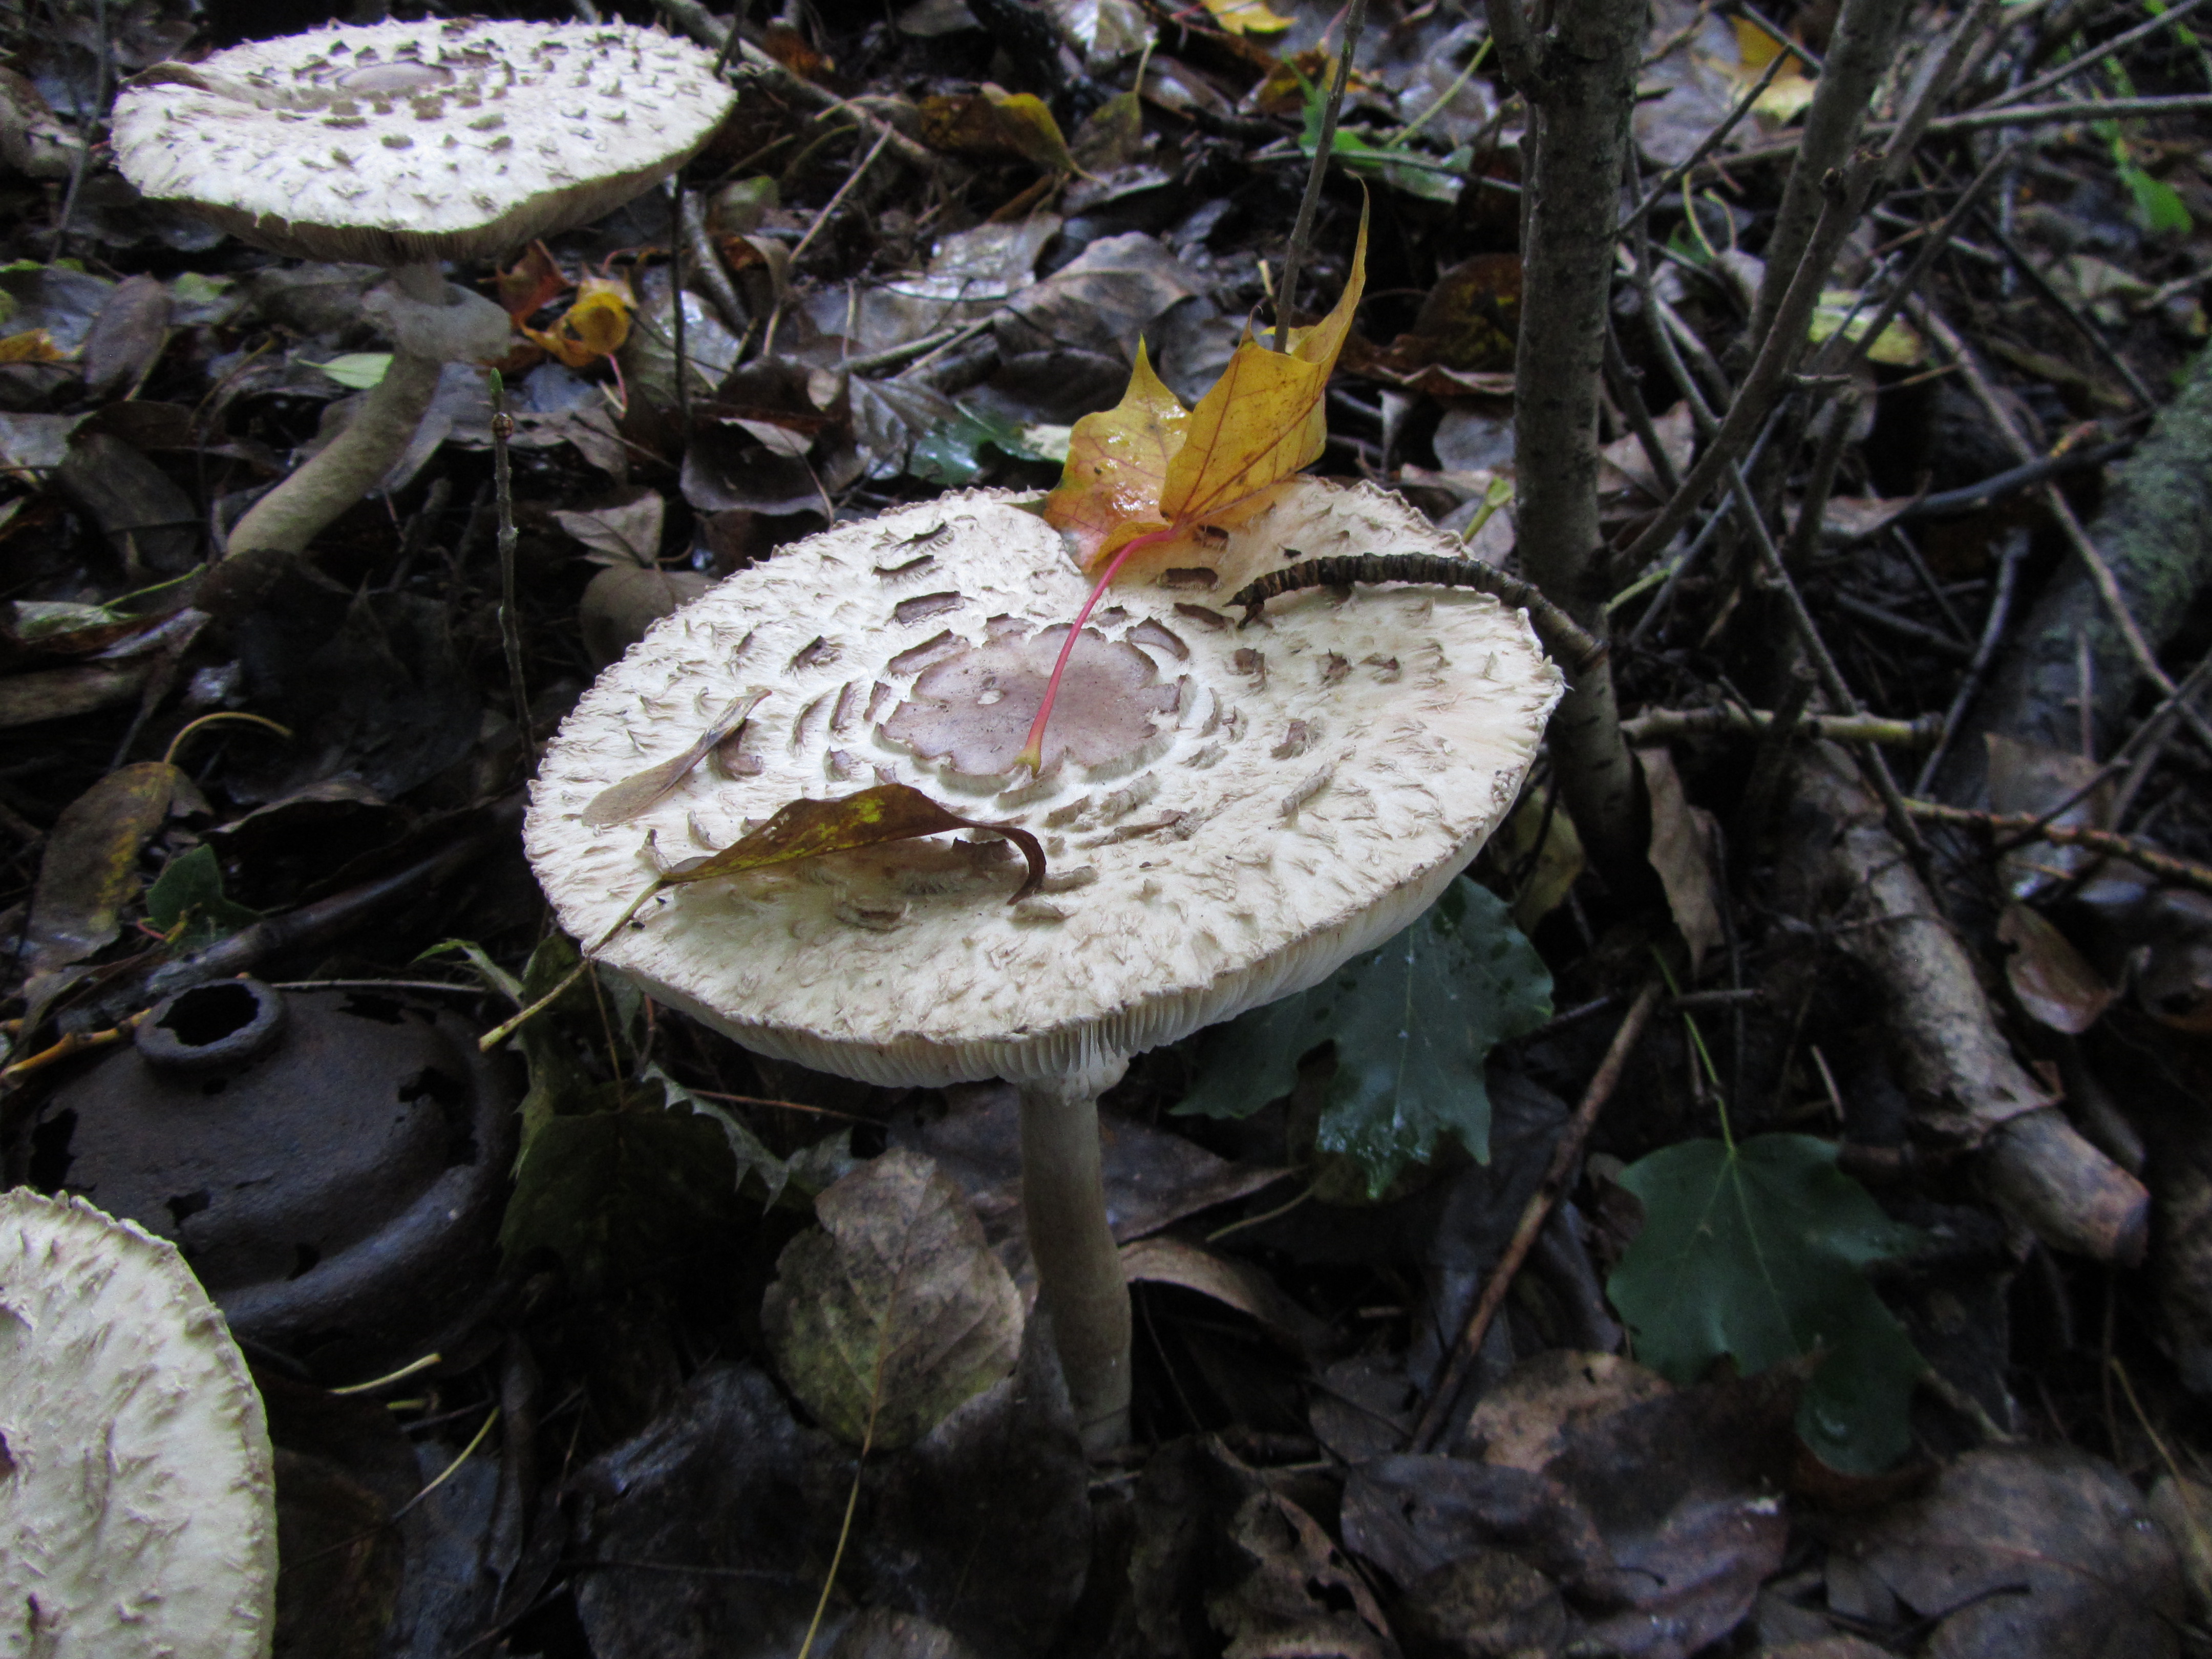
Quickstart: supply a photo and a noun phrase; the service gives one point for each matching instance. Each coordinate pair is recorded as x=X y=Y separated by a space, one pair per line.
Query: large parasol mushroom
x=137 y=1493
x=1229 y=814
x=403 y=144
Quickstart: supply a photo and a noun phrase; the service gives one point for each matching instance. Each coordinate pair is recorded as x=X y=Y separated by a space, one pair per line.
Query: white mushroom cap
x=137 y=1498
x=1304 y=791
x=401 y=142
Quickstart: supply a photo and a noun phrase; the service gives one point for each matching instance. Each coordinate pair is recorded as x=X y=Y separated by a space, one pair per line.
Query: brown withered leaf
x=2054 y=983
x=884 y=812
x=637 y=791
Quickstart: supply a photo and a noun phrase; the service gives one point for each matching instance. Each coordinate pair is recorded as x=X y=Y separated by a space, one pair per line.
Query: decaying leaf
x=993 y=124
x=90 y=871
x=1681 y=853
x=533 y=283
x=884 y=812
x=893 y=1312
x=32 y=345
x=1756 y=1251
x=1791 y=89
x=2054 y=983
x=634 y=793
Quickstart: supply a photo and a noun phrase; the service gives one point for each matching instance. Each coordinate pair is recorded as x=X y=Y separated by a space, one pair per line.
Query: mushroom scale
x=400 y=142
x=1305 y=789
x=137 y=1496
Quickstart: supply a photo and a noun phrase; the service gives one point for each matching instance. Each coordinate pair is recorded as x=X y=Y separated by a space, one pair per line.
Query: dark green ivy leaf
x=190 y=889
x=1413 y=1024
x=1756 y=1252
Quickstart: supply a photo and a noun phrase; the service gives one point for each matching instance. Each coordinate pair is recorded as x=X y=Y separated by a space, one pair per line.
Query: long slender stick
x=2119 y=42
x=510 y=622
x=2186 y=872
x=1985 y=653
x=1309 y=203
x=1565 y=1154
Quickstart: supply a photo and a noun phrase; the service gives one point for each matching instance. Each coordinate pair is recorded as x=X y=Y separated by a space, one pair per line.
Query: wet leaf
x=893 y=1312
x=1756 y=1253
x=1146 y=471
x=1111 y=136
x=627 y=532
x=2054 y=982
x=127 y=336
x=2032 y=1552
x=869 y=817
x=1413 y=1024
x=621 y=801
x=90 y=871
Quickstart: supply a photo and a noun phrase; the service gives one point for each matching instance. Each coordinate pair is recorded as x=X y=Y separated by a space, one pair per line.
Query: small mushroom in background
x=137 y=1491
x=403 y=144
x=1229 y=815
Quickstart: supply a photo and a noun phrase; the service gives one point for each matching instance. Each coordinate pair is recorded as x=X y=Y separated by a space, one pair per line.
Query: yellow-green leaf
x=1899 y=346
x=1247 y=17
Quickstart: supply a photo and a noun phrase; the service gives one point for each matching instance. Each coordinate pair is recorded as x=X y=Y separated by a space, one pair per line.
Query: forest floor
x=1869 y=1307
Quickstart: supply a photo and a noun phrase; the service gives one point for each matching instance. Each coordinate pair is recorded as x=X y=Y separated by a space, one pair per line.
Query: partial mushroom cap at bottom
x=137 y=1497
x=1231 y=812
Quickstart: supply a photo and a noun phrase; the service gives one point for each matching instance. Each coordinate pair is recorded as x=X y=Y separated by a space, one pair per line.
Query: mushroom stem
x=291 y=516
x=1079 y=1279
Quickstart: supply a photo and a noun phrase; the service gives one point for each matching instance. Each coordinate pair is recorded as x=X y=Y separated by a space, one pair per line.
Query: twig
x=1658 y=725
x=1858 y=57
x=1928 y=639
x=1972 y=498
x=2146 y=400
x=1287 y=296
x=2101 y=572
x=1763 y=383
x=1985 y=653
x=1565 y=1154
x=510 y=621
x=1561 y=634
x=2185 y=873
x=2073 y=67
x=1976 y=120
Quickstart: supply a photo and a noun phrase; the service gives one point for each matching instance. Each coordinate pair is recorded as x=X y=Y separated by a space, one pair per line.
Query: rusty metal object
x=332 y=1165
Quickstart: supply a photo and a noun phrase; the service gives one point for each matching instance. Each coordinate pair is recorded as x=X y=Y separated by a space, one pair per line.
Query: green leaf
x=1756 y=1253
x=191 y=887
x=749 y=1155
x=2159 y=206
x=358 y=370
x=1413 y=1024
x=617 y=1196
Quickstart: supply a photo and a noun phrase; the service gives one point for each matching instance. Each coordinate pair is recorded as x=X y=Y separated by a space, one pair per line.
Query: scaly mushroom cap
x=400 y=142
x=137 y=1497
x=1229 y=814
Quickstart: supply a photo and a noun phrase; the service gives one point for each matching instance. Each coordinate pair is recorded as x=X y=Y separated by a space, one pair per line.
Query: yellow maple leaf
x=1118 y=464
x=1792 y=89
x=1147 y=473
x=595 y=327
